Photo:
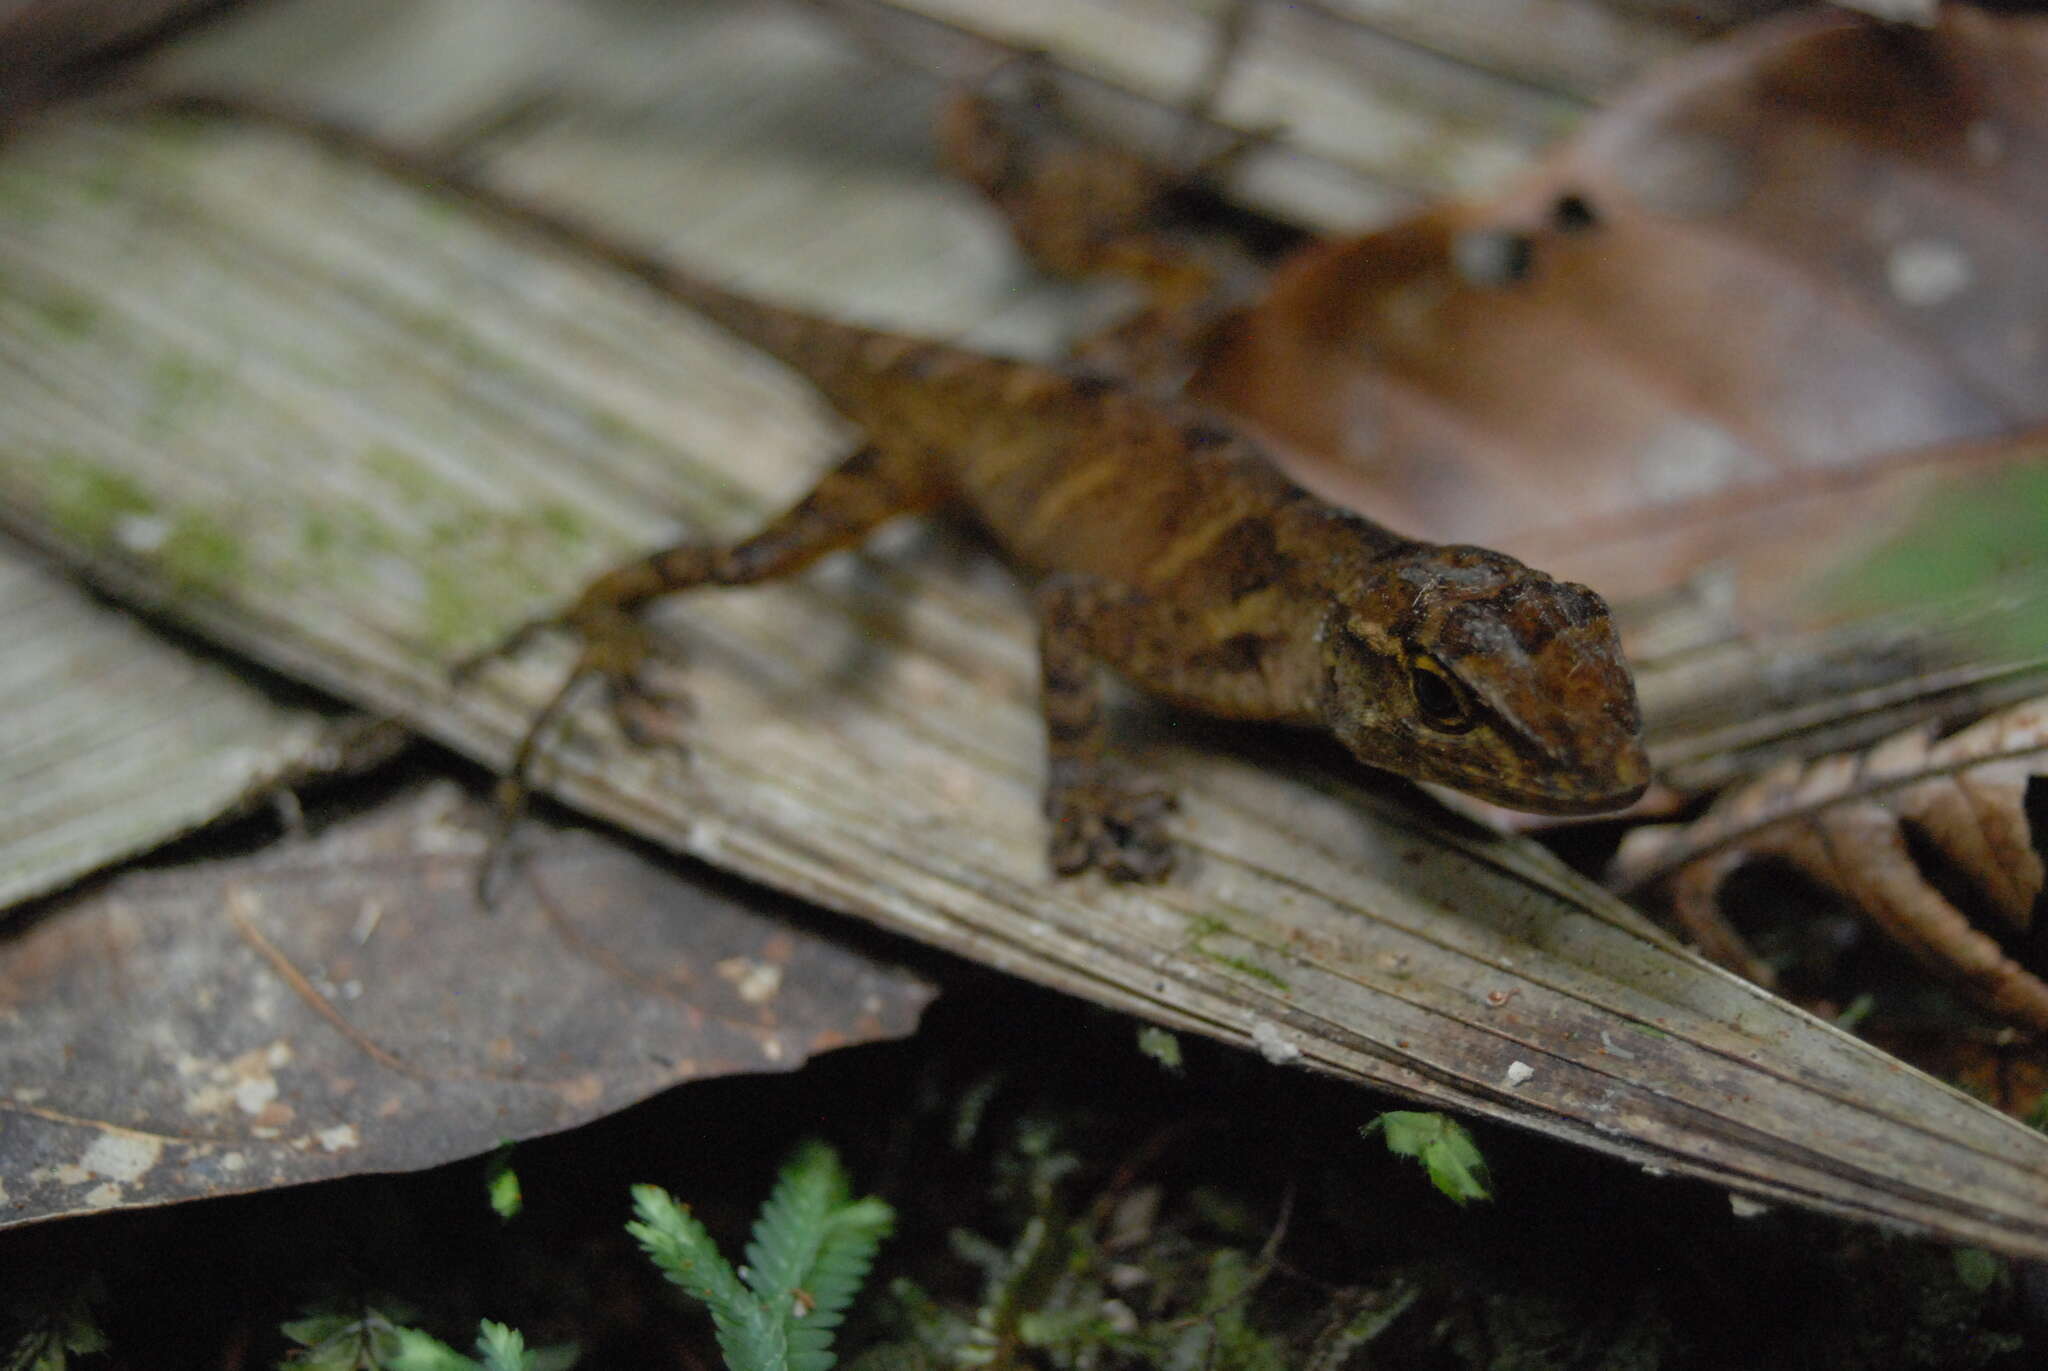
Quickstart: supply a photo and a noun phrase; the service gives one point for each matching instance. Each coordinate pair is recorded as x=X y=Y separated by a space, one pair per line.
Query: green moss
x=462 y=527
x=563 y=522
x=87 y=501
x=453 y=609
x=319 y=535
x=67 y=315
x=401 y=471
x=178 y=384
x=201 y=552
x=365 y=535
x=1201 y=929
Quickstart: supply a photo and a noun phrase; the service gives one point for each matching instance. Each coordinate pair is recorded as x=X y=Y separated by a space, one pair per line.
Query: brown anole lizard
x=1164 y=545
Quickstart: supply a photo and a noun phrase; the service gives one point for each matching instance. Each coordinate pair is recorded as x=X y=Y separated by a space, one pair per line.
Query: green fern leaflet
x=809 y=1253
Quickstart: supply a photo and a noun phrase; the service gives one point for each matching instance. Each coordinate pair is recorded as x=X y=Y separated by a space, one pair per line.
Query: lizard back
x=1067 y=469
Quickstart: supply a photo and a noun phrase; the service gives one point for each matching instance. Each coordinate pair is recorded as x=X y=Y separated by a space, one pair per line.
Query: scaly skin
x=1167 y=547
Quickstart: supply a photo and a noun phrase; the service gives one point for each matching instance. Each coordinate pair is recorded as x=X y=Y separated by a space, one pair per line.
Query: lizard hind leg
x=867 y=490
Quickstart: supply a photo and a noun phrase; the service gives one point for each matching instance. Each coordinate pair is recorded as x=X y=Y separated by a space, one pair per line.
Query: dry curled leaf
x=1858 y=825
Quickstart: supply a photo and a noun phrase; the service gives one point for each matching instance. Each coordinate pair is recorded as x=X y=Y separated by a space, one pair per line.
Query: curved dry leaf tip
x=1843 y=822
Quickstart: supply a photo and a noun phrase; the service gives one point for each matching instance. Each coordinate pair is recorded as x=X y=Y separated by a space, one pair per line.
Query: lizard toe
x=652 y=706
x=1116 y=827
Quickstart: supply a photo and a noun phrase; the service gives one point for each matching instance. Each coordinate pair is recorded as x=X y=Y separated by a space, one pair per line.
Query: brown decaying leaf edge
x=1842 y=820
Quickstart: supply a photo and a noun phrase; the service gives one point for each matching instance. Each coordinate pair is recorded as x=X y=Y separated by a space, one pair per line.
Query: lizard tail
x=840 y=358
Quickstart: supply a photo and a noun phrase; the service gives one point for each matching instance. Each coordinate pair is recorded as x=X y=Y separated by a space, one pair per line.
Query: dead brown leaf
x=1743 y=325
x=1844 y=821
x=339 y=1005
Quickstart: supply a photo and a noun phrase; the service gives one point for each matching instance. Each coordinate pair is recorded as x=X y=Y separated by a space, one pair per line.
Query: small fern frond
x=811 y=1249
x=809 y=1189
x=680 y=1246
x=503 y=1349
x=749 y=1332
x=836 y=1275
x=843 y=1259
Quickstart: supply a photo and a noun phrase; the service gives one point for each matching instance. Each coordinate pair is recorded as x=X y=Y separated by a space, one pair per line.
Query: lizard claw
x=1117 y=825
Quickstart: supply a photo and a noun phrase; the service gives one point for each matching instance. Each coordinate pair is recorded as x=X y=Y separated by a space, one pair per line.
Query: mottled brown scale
x=1165 y=546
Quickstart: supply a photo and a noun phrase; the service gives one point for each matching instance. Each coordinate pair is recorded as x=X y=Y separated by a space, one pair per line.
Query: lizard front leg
x=1100 y=816
x=863 y=492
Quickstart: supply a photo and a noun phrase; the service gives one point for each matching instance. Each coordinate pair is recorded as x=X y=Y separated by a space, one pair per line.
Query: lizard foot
x=652 y=705
x=614 y=652
x=1115 y=824
x=642 y=687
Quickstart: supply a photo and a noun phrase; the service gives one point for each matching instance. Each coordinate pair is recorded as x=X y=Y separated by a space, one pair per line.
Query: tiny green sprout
x=332 y=1337
x=1977 y=1269
x=1443 y=1147
x=1161 y=1046
x=1855 y=1012
x=498 y=1349
x=501 y=1183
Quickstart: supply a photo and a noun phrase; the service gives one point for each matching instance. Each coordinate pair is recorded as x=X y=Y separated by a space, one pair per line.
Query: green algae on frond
x=456 y=608
x=200 y=553
x=66 y=313
x=1204 y=927
x=564 y=523
x=87 y=502
x=181 y=384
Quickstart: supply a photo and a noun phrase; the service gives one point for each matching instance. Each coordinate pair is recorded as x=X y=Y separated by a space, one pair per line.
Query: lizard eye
x=1439 y=699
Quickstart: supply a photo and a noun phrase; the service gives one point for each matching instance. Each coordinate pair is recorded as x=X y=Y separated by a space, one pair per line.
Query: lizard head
x=1466 y=668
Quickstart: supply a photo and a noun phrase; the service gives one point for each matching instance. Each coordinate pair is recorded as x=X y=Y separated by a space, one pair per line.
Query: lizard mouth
x=1568 y=791
x=1576 y=802
x=1577 y=795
